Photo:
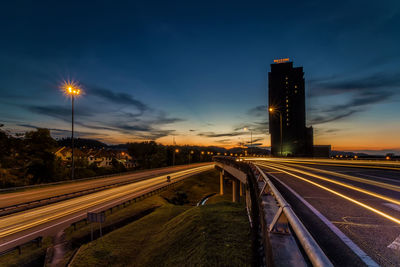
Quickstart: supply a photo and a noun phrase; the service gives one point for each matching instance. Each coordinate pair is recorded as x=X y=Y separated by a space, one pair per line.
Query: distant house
x=65 y=153
x=102 y=158
x=125 y=159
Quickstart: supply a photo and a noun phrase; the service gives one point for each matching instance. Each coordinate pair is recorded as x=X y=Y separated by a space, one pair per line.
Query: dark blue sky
x=197 y=69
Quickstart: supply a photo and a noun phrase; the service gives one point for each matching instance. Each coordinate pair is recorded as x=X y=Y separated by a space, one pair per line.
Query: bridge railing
x=278 y=224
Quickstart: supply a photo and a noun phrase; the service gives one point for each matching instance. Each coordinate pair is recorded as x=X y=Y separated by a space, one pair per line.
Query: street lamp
x=251 y=137
x=272 y=110
x=173 y=159
x=190 y=156
x=72 y=89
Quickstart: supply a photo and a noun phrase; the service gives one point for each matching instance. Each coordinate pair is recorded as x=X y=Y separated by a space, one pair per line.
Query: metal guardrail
x=310 y=246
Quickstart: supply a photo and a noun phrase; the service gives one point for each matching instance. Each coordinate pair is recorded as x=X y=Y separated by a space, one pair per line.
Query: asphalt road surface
x=31 y=194
x=360 y=198
x=18 y=228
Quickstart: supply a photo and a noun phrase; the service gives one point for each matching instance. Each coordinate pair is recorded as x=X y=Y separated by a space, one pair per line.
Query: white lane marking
x=395 y=244
x=356 y=249
x=393 y=206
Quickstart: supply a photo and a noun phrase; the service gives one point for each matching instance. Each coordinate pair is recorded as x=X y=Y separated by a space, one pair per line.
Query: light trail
x=350 y=177
x=353 y=164
x=337 y=182
x=387 y=216
x=18 y=222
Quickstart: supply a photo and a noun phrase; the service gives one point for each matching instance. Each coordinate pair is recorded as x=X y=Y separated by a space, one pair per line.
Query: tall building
x=287 y=111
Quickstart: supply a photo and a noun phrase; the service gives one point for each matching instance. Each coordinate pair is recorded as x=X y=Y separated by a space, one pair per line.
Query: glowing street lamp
x=272 y=110
x=190 y=156
x=72 y=89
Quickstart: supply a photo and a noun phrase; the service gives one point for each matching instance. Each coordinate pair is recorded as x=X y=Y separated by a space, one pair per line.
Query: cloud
x=60 y=112
x=61 y=132
x=224 y=141
x=255 y=140
x=119 y=98
x=355 y=105
x=162 y=118
x=154 y=134
x=257 y=127
x=367 y=83
x=213 y=134
x=362 y=92
x=137 y=125
x=258 y=111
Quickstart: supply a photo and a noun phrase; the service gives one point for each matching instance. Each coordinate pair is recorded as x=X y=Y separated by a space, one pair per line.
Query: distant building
x=286 y=100
x=100 y=157
x=322 y=151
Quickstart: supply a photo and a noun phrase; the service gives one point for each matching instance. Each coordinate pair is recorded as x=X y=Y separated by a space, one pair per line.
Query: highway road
x=360 y=198
x=9 y=197
x=21 y=227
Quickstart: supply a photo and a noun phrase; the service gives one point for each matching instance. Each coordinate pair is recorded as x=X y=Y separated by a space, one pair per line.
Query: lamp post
x=190 y=156
x=251 y=138
x=173 y=159
x=73 y=90
x=280 y=125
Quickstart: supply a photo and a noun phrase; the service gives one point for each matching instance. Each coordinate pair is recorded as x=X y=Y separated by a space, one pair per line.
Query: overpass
x=322 y=212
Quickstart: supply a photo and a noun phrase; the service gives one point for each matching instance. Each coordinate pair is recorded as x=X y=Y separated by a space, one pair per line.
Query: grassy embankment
x=31 y=255
x=178 y=233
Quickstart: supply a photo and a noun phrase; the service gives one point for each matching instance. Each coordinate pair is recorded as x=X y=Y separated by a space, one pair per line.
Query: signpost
x=98 y=217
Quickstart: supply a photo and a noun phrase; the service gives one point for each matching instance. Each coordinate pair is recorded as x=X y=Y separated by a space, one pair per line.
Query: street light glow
x=271 y=109
x=71 y=88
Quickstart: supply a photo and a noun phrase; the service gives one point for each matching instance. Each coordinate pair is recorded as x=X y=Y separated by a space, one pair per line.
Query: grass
x=31 y=255
x=178 y=233
x=211 y=235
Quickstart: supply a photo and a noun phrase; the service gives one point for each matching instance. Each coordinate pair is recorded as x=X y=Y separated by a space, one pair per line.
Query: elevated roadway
x=360 y=199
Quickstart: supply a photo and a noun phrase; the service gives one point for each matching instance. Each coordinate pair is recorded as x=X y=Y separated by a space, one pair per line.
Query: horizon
x=197 y=73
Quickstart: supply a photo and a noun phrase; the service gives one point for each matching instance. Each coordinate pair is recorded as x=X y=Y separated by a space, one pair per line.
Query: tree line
x=29 y=158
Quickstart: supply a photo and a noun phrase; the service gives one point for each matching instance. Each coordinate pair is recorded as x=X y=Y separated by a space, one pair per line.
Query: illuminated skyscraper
x=287 y=116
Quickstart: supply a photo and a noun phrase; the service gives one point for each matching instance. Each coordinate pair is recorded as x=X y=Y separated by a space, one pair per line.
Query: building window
x=295 y=91
x=287 y=124
x=295 y=86
x=287 y=100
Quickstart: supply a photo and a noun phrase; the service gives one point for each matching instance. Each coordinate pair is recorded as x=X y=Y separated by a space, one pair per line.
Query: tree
x=38 y=153
x=145 y=152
